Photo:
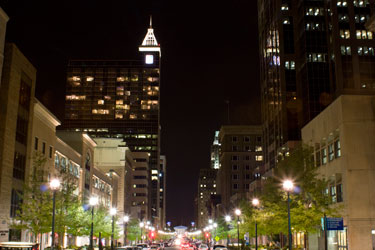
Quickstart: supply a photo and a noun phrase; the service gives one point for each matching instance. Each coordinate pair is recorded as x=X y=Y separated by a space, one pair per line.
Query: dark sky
x=209 y=55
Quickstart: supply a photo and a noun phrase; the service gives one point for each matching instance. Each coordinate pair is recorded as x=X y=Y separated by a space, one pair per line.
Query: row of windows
x=246 y=139
x=236 y=167
x=362 y=51
x=315 y=26
x=67 y=165
x=344 y=18
x=356 y=3
x=43 y=149
x=247 y=158
x=328 y=154
x=236 y=176
x=290 y=65
x=245 y=186
x=246 y=148
x=317 y=57
x=360 y=34
x=335 y=192
x=101 y=185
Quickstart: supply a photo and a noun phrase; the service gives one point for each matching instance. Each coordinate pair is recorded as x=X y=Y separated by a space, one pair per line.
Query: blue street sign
x=335 y=224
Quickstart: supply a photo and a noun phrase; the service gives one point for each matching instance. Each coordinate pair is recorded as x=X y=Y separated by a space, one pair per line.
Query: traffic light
x=152 y=235
x=207 y=235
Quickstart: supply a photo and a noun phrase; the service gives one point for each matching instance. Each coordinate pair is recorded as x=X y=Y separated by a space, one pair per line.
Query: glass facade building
x=119 y=99
x=311 y=52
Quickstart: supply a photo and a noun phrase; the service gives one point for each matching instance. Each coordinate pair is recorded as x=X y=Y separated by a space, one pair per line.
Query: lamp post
x=215 y=226
x=126 y=220
x=227 y=219
x=141 y=225
x=238 y=213
x=113 y=212
x=93 y=202
x=54 y=185
x=288 y=186
x=255 y=203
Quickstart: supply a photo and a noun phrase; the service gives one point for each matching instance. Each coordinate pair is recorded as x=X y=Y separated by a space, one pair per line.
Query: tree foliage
x=308 y=201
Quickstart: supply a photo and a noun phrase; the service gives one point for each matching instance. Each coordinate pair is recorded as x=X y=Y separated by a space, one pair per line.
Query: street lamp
x=93 y=202
x=113 y=212
x=228 y=219
x=126 y=220
x=141 y=225
x=255 y=203
x=54 y=185
x=215 y=226
x=288 y=186
x=210 y=221
x=238 y=213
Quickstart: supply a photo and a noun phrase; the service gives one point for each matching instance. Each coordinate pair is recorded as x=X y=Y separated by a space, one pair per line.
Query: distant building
x=206 y=188
x=163 y=189
x=215 y=152
x=16 y=118
x=120 y=99
x=241 y=161
x=3 y=25
x=344 y=150
x=311 y=52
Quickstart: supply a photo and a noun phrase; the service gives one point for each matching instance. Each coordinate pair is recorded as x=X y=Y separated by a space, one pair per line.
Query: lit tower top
x=149 y=42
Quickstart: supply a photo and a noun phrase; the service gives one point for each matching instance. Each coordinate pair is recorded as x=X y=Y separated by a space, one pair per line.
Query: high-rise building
x=311 y=52
x=206 y=188
x=215 y=152
x=163 y=189
x=3 y=25
x=120 y=99
x=241 y=161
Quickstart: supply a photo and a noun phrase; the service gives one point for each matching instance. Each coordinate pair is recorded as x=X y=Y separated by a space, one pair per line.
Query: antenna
x=150 y=21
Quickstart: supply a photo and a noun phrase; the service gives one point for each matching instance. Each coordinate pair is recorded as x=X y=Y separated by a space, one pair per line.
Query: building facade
x=3 y=25
x=206 y=188
x=120 y=99
x=163 y=190
x=344 y=149
x=241 y=161
x=311 y=52
x=16 y=117
x=215 y=152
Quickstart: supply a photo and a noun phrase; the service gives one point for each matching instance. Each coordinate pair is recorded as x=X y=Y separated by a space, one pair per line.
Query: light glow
x=227 y=218
x=288 y=185
x=54 y=184
x=126 y=218
x=113 y=211
x=237 y=212
x=149 y=59
x=255 y=202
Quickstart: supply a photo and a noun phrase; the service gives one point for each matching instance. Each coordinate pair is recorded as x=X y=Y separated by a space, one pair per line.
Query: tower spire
x=150 y=21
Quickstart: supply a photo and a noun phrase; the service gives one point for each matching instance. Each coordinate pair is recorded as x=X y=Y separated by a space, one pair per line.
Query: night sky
x=209 y=55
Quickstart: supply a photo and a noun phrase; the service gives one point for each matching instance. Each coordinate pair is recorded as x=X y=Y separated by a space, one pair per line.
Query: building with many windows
x=344 y=150
x=120 y=99
x=3 y=25
x=206 y=188
x=311 y=52
x=241 y=161
x=163 y=189
x=215 y=152
x=16 y=118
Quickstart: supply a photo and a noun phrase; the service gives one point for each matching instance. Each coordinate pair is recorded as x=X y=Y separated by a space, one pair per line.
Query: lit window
x=76 y=78
x=337 y=149
x=259 y=158
x=331 y=154
x=121 y=79
x=94 y=111
x=119 y=101
x=89 y=78
x=284 y=6
x=101 y=102
x=258 y=148
x=107 y=97
x=149 y=59
x=133 y=116
x=324 y=155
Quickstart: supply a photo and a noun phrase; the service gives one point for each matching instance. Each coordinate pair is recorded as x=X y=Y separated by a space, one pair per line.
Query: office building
x=120 y=99
x=311 y=52
x=3 y=25
x=163 y=189
x=342 y=137
x=206 y=188
x=241 y=162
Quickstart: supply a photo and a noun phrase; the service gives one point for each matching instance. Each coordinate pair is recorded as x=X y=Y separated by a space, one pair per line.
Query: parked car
x=128 y=248
x=203 y=247
x=155 y=247
x=219 y=247
x=143 y=246
x=19 y=246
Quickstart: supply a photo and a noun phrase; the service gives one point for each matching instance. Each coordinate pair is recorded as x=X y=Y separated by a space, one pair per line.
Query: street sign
x=335 y=223
x=217 y=238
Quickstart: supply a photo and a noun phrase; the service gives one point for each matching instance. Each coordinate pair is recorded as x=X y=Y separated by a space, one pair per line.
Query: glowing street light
x=126 y=220
x=141 y=225
x=227 y=219
x=288 y=186
x=113 y=212
x=210 y=221
x=256 y=203
x=93 y=202
x=238 y=213
x=54 y=185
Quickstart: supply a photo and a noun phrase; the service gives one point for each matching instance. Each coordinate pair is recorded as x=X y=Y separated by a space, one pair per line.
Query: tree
x=35 y=211
x=309 y=201
x=133 y=230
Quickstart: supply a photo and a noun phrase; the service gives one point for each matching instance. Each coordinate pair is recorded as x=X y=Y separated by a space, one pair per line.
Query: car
x=19 y=246
x=143 y=246
x=155 y=247
x=203 y=247
x=219 y=247
x=128 y=248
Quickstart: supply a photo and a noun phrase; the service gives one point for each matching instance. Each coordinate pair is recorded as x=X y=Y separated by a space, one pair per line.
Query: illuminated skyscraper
x=215 y=152
x=120 y=99
x=311 y=52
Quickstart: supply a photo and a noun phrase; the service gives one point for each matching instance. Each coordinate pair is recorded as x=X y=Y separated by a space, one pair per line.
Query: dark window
x=235 y=177
x=50 y=151
x=247 y=176
x=234 y=148
x=339 y=193
x=247 y=167
x=36 y=143
x=331 y=153
x=19 y=166
x=246 y=139
x=337 y=149
x=138 y=177
x=234 y=138
x=24 y=98
x=21 y=131
x=235 y=186
x=44 y=148
x=234 y=167
x=14 y=234
x=16 y=201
